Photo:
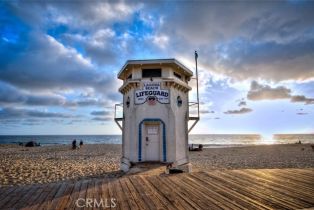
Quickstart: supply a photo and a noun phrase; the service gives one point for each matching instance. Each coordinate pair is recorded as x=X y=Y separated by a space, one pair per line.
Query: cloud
x=206 y=112
x=100 y=113
x=100 y=46
x=300 y=98
x=48 y=64
x=242 y=103
x=265 y=92
x=7 y=113
x=105 y=119
x=50 y=52
x=91 y=102
x=78 y=15
x=271 y=41
x=302 y=113
x=11 y=95
x=241 y=111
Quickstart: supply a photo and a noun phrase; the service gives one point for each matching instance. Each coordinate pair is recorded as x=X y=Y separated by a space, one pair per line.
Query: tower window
x=148 y=73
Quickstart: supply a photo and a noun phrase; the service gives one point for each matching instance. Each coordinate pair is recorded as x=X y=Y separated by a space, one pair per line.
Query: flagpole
x=196 y=72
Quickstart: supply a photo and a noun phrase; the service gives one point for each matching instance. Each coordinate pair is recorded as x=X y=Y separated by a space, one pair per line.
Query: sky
x=59 y=62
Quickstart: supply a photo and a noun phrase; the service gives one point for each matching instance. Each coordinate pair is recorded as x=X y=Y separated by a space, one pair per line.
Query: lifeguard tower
x=155 y=111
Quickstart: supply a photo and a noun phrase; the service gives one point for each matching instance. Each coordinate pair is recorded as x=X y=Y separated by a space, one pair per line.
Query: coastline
x=23 y=165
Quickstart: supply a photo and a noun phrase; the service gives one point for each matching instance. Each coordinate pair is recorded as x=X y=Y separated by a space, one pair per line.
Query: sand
x=21 y=165
x=254 y=157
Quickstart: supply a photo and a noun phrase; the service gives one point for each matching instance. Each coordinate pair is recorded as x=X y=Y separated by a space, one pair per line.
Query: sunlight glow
x=267 y=139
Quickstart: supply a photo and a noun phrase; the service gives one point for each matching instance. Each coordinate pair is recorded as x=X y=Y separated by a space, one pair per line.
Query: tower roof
x=173 y=61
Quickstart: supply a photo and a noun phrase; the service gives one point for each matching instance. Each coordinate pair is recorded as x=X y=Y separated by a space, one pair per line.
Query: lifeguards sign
x=152 y=91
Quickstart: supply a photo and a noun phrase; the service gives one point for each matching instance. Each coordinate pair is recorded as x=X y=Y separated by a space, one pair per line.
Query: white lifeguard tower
x=155 y=116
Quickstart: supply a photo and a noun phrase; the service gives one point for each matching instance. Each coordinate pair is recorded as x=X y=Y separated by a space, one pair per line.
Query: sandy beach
x=21 y=165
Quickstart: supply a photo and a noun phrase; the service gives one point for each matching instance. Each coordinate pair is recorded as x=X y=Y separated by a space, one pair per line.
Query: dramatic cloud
x=9 y=94
x=241 y=111
x=48 y=64
x=64 y=56
x=78 y=15
x=265 y=92
x=6 y=113
x=100 y=46
x=272 y=41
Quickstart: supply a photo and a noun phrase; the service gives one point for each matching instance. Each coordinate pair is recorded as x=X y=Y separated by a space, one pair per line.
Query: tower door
x=152 y=144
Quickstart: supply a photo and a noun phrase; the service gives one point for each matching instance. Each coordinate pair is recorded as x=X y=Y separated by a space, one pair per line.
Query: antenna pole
x=196 y=72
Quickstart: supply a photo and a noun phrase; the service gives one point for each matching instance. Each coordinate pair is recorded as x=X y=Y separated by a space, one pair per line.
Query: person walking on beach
x=74 y=144
x=81 y=143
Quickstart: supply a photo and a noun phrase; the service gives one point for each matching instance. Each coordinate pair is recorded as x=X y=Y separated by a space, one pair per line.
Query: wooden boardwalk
x=230 y=189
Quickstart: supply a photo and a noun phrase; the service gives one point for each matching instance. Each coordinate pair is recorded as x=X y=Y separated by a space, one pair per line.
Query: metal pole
x=198 y=102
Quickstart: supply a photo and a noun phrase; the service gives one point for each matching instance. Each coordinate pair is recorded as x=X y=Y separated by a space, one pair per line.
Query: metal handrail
x=118 y=119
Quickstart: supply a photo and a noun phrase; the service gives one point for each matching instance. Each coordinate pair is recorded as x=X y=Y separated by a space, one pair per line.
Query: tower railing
x=193 y=114
x=118 y=115
x=193 y=104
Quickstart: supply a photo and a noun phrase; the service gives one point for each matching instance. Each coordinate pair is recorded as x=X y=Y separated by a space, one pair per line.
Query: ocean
x=208 y=140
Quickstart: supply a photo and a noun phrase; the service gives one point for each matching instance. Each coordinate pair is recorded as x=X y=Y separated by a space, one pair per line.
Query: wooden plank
x=169 y=193
x=154 y=193
x=104 y=188
x=74 y=195
x=247 y=190
x=230 y=192
x=144 y=195
x=40 y=200
x=7 y=196
x=307 y=171
x=135 y=195
x=54 y=187
x=82 y=193
x=301 y=172
x=65 y=199
x=90 y=194
x=15 y=196
x=283 y=187
x=287 y=175
x=195 y=194
x=234 y=189
x=128 y=194
x=282 y=180
x=98 y=194
x=180 y=191
x=26 y=190
x=11 y=198
x=58 y=196
x=112 y=194
x=296 y=176
x=264 y=191
x=120 y=195
x=6 y=193
x=33 y=197
x=221 y=201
